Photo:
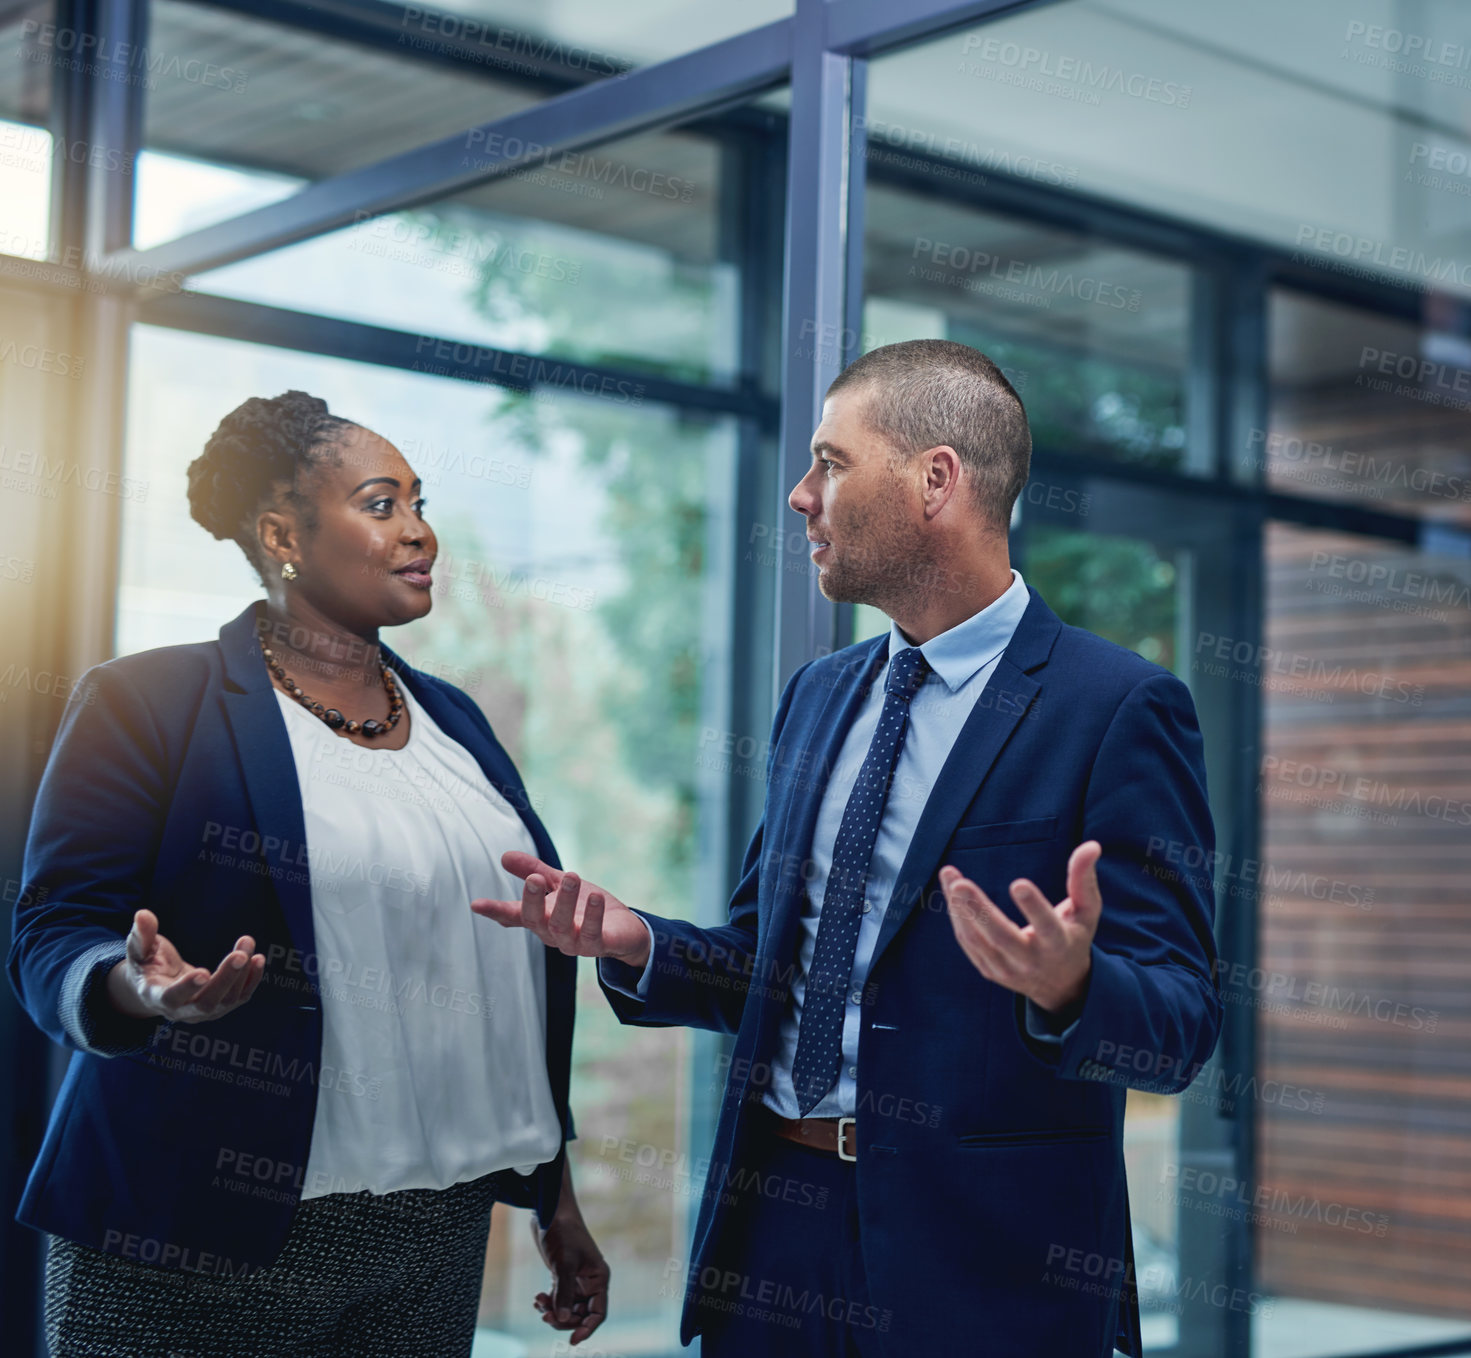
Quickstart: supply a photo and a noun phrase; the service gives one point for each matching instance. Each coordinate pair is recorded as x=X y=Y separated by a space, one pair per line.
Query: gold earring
x=289 y=571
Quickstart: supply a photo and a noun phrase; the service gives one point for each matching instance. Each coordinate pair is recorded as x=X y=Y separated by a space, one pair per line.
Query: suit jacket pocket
x=1003 y=832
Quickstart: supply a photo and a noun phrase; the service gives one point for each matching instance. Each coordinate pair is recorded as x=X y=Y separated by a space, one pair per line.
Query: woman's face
x=366 y=562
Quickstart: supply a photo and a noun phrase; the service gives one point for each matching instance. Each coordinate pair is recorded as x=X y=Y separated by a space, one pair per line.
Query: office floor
x=1293 y=1329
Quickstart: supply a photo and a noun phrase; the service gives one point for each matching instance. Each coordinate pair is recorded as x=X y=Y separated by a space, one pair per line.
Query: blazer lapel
x=1005 y=700
x=264 y=750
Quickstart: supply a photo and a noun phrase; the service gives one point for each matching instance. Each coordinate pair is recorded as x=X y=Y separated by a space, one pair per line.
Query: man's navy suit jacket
x=172 y=785
x=992 y=1200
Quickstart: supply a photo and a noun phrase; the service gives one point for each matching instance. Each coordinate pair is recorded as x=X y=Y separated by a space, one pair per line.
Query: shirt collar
x=958 y=654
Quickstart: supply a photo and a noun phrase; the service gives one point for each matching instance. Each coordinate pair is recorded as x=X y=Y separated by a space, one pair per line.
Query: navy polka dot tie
x=820 y=1034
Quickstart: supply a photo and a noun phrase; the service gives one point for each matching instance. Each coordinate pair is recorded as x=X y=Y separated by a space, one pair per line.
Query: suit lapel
x=269 y=769
x=1008 y=695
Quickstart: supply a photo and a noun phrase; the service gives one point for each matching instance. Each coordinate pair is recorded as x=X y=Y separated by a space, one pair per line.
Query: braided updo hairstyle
x=253 y=462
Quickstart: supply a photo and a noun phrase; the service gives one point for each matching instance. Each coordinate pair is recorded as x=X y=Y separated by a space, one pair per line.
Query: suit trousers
x=395 y=1275
x=791 y=1282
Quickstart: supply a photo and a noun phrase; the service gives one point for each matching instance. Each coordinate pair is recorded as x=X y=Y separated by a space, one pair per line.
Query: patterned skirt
x=393 y=1275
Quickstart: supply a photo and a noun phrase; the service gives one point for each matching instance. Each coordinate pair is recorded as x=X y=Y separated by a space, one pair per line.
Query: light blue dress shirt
x=963 y=660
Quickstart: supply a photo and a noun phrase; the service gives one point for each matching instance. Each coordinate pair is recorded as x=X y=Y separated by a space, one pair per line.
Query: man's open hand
x=1050 y=958
x=583 y=920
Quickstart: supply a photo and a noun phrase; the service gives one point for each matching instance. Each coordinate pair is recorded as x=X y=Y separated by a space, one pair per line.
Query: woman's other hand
x=578 y=1300
x=153 y=981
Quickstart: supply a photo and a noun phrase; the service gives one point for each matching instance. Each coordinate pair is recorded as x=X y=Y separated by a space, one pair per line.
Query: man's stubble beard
x=889 y=571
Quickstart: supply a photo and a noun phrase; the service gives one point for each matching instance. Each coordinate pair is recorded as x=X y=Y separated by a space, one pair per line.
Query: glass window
x=1360 y=989
x=583 y=598
x=1335 y=130
x=178 y=194
x=1095 y=337
x=1366 y=409
x=26 y=149
x=1137 y=591
x=226 y=88
x=621 y=255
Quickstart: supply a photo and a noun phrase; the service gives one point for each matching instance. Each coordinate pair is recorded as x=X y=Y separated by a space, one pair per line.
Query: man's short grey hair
x=924 y=393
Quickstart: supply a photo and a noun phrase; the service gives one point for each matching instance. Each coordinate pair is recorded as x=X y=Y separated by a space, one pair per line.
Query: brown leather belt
x=836 y=1136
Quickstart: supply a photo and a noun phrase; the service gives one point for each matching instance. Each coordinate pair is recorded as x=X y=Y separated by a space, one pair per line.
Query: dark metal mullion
x=467 y=360
x=1248 y=406
x=72 y=95
x=116 y=129
x=1271 y=504
x=814 y=299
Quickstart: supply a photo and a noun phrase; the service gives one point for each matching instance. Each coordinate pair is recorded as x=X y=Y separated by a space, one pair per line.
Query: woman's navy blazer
x=171 y=785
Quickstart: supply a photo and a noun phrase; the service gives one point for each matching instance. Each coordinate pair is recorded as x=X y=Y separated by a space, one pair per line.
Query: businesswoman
x=302 y=1069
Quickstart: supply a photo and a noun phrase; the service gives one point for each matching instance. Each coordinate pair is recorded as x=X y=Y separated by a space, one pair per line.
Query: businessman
x=950 y=951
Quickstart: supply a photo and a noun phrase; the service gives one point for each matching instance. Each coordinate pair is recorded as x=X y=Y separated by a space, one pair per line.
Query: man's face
x=863 y=510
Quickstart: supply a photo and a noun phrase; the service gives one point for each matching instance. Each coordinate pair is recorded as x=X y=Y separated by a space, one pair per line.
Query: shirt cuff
x=87 y=1015
x=625 y=979
x=1043 y=1026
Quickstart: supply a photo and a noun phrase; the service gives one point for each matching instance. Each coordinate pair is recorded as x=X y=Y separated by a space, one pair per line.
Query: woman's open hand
x=153 y=981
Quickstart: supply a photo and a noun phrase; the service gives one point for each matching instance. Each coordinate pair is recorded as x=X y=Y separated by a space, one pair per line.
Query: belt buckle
x=843 y=1125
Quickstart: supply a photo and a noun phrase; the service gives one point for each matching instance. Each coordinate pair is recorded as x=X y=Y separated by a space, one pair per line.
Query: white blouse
x=433 y=1067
